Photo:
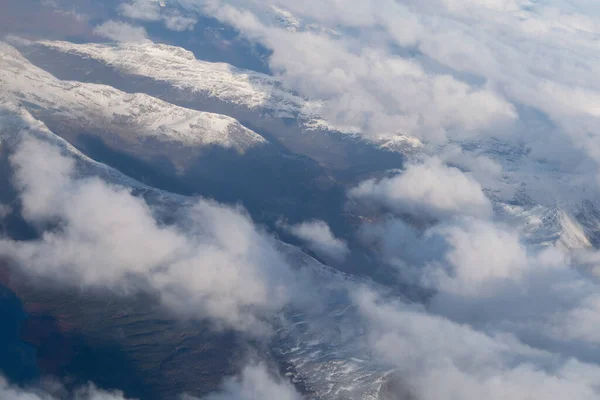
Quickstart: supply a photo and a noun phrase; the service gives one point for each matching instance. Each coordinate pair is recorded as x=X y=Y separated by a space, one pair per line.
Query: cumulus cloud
x=438 y=69
x=154 y=10
x=524 y=310
x=121 y=32
x=429 y=190
x=367 y=88
x=318 y=237
x=147 y=10
x=213 y=264
x=483 y=257
x=365 y=85
x=56 y=392
x=5 y=210
x=493 y=282
x=441 y=359
x=481 y=167
x=486 y=280
x=479 y=252
x=254 y=383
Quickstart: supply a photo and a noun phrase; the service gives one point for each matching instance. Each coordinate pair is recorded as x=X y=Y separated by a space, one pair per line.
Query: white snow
x=139 y=115
x=179 y=68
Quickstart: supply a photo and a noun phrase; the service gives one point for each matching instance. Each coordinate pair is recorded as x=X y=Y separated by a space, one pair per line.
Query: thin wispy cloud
x=121 y=32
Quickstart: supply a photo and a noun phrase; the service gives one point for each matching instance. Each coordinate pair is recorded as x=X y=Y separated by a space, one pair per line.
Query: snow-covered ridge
x=16 y=122
x=180 y=69
x=135 y=116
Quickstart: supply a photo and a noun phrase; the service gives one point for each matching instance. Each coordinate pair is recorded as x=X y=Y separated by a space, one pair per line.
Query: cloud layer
x=55 y=392
x=214 y=264
x=153 y=10
x=121 y=32
x=437 y=358
x=254 y=383
x=427 y=191
x=505 y=318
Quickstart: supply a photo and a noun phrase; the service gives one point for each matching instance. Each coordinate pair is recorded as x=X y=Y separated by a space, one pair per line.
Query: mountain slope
x=173 y=148
x=257 y=100
x=91 y=105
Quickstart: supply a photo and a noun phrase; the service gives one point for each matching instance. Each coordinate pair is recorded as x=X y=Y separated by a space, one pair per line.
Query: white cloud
x=318 y=237
x=428 y=190
x=89 y=392
x=370 y=89
x=214 y=264
x=146 y=10
x=506 y=319
x=121 y=32
x=484 y=274
x=153 y=10
x=254 y=383
x=482 y=252
x=485 y=170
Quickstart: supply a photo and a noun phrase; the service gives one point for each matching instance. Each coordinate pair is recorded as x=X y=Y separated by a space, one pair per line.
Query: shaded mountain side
x=269 y=183
x=348 y=156
x=121 y=343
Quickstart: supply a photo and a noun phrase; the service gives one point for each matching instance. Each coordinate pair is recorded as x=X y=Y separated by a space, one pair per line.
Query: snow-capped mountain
x=99 y=106
x=221 y=81
x=256 y=100
x=287 y=200
x=170 y=147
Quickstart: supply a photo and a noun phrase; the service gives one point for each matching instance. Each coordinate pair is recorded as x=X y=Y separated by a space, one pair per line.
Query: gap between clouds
x=504 y=318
